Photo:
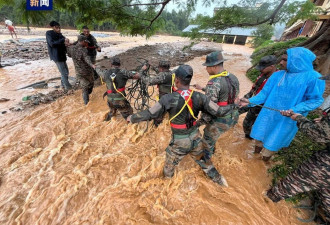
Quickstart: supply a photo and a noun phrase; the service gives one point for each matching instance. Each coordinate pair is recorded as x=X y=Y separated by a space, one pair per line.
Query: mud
x=62 y=164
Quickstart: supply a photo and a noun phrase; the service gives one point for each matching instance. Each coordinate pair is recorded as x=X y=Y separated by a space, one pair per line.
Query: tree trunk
x=319 y=44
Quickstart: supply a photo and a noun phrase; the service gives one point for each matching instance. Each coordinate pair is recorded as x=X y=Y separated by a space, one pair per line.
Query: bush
x=274 y=49
x=253 y=74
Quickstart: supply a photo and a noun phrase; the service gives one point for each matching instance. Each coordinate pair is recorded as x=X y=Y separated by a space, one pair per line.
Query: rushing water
x=62 y=164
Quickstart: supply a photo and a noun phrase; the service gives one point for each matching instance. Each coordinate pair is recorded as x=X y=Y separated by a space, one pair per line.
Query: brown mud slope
x=63 y=165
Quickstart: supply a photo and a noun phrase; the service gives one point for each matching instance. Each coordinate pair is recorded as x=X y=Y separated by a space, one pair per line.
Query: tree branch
x=159 y=13
x=271 y=18
x=145 y=4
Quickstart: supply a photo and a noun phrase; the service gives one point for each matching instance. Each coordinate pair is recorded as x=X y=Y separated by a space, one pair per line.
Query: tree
x=263 y=33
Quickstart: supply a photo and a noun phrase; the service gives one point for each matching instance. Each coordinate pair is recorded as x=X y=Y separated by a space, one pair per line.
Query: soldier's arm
x=212 y=108
x=100 y=72
x=131 y=74
x=87 y=59
x=320 y=132
x=159 y=79
x=212 y=91
x=95 y=42
x=156 y=111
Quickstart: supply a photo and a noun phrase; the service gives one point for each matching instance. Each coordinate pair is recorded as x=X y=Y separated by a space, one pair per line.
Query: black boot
x=257 y=149
x=85 y=97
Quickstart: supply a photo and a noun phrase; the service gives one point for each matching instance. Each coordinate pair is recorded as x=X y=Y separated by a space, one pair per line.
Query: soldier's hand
x=288 y=113
x=294 y=116
x=243 y=102
x=99 y=49
x=94 y=67
x=129 y=119
x=317 y=120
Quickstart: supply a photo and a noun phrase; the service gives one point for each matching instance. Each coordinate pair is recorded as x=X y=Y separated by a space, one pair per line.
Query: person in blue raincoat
x=295 y=89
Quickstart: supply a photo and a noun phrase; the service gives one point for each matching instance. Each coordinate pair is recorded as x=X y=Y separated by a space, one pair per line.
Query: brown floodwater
x=62 y=164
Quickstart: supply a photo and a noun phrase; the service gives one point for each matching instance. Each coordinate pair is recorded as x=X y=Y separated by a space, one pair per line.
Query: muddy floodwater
x=60 y=163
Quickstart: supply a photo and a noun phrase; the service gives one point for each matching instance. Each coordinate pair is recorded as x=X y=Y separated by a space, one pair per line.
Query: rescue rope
x=189 y=108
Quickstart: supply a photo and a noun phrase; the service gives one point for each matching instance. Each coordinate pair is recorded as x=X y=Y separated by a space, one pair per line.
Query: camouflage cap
x=184 y=72
x=82 y=38
x=115 y=61
x=164 y=63
x=327 y=77
x=214 y=58
x=266 y=61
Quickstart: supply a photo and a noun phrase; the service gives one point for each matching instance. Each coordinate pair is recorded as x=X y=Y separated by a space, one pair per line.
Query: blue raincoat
x=298 y=89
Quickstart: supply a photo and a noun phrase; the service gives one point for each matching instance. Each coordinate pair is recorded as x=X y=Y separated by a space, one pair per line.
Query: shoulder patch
x=210 y=83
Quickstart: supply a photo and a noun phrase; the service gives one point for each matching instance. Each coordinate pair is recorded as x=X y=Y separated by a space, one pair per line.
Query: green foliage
x=263 y=33
x=274 y=49
x=253 y=74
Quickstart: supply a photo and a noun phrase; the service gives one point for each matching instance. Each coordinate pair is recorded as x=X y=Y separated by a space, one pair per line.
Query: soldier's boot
x=215 y=176
x=248 y=136
x=85 y=97
x=257 y=149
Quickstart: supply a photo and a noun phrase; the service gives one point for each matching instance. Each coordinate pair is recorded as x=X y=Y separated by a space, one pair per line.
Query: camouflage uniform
x=314 y=174
x=217 y=90
x=83 y=67
x=117 y=101
x=186 y=139
x=164 y=82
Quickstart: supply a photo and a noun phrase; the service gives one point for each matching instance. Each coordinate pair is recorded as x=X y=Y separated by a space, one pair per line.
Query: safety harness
x=120 y=90
x=231 y=93
x=186 y=94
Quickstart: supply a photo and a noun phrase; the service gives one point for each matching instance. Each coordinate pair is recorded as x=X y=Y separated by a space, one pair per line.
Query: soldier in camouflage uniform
x=267 y=67
x=314 y=174
x=83 y=66
x=223 y=89
x=164 y=82
x=116 y=79
x=183 y=106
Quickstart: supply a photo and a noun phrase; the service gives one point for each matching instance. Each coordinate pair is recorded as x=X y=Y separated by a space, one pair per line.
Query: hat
x=54 y=23
x=115 y=61
x=184 y=72
x=266 y=61
x=164 y=63
x=327 y=77
x=214 y=58
x=82 y=38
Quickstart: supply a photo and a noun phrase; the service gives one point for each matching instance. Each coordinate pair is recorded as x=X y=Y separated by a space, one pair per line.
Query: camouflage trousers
x=182 y=145
x=250 y=118
x=87 y=84
x=312 y=175
x=122 y=106
x=215 y=128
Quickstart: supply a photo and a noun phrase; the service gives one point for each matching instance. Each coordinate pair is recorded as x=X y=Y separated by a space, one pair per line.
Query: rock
x=4 y=99
x=36 y=102
x=3 y=112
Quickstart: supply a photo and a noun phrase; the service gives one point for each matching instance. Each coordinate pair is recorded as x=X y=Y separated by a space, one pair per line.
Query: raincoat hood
x=300 y=60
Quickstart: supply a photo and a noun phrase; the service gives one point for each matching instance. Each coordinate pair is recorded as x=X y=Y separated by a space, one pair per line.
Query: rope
x=185 y=104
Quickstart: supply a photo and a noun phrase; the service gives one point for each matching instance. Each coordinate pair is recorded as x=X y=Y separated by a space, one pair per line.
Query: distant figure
x=10 y=27
x=295 y=89
x=83 y=65
x=92 y=44
x=57 y=52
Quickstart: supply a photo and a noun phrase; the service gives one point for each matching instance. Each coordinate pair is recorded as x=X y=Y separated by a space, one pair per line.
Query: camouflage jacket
x=217 y=90
x=120 y=79
x=163 y=80
x=81 y=60
x=257 y=86
x=173 y=103
x=320 y=132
